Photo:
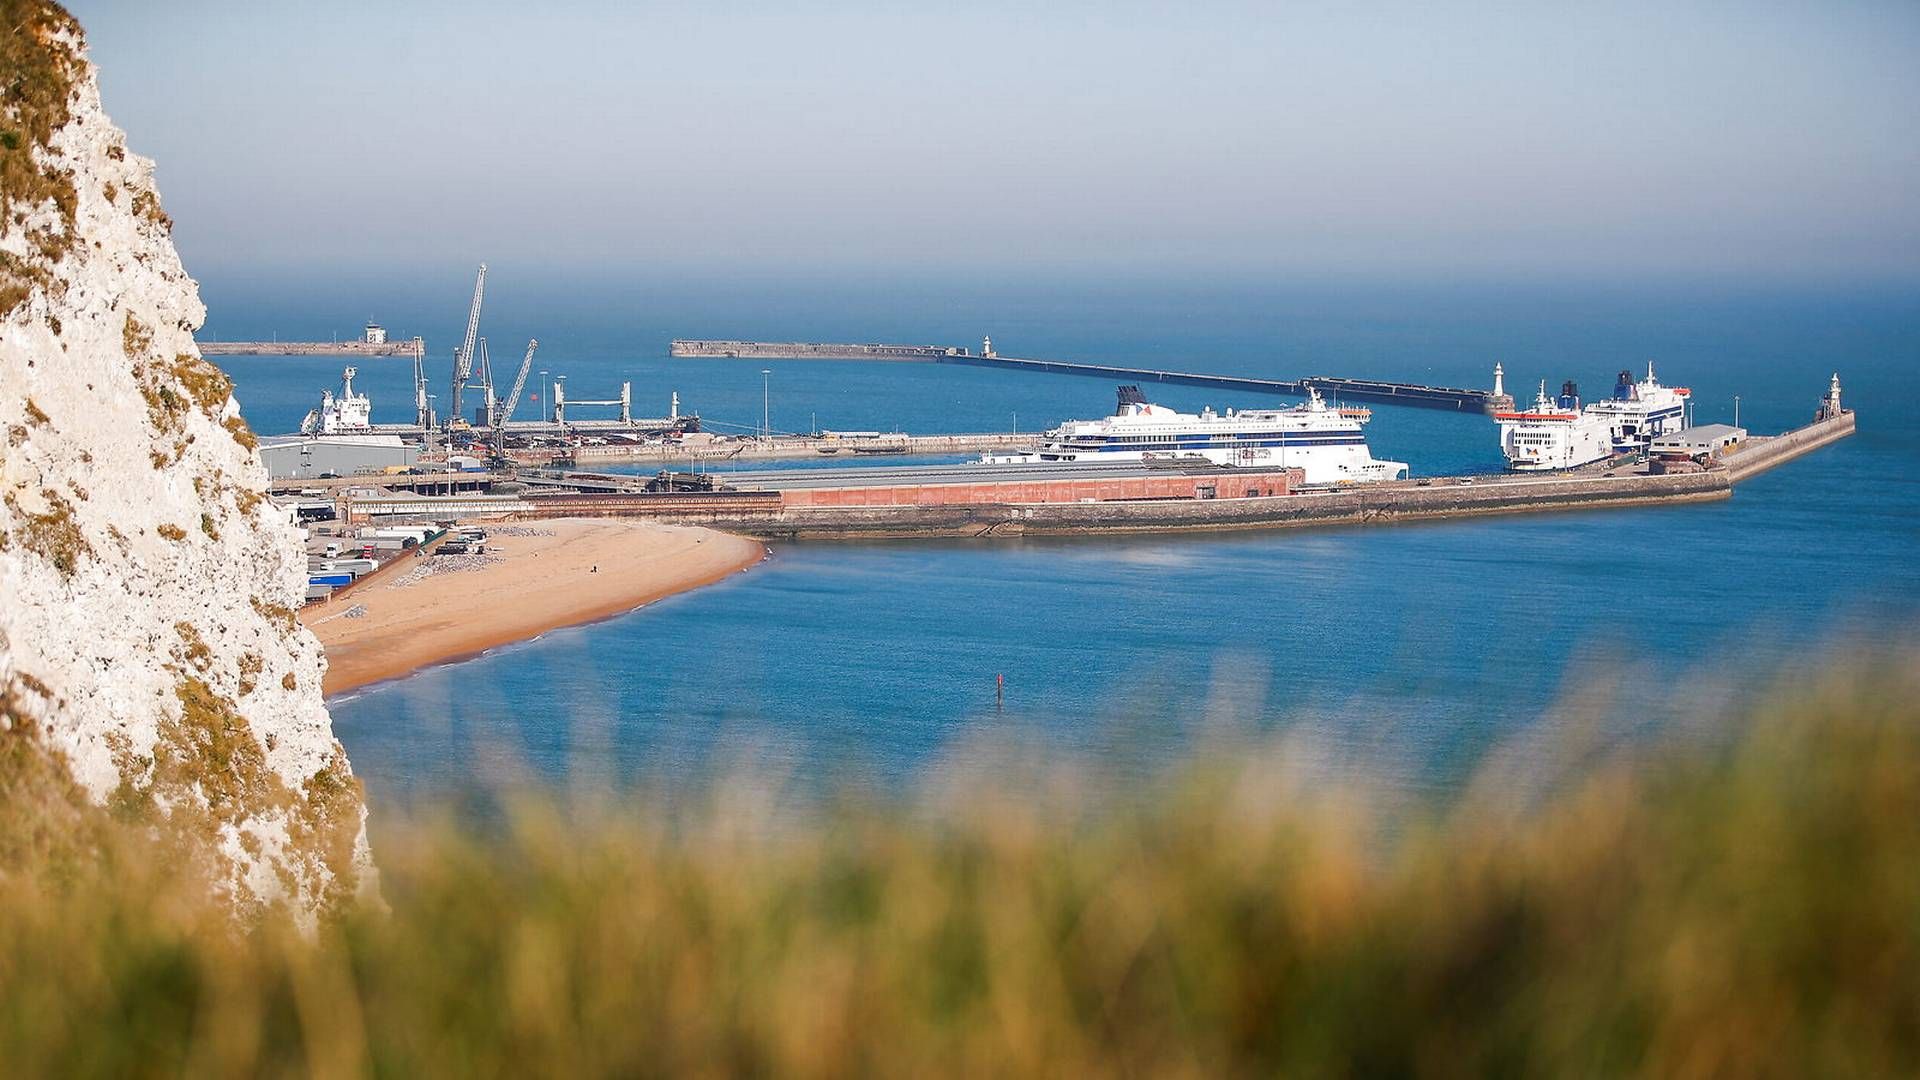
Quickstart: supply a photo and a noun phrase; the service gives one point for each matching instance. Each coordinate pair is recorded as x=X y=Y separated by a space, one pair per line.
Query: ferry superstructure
x=1322 y=440
x=1558 y=433
x=1555 y=434
x=348 y=414
x=1639 y=411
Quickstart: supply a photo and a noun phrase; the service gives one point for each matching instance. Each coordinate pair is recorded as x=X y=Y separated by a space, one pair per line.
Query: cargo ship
x=1322 y=440
x=1559 y=433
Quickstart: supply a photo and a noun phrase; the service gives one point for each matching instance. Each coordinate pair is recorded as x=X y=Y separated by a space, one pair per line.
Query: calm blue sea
x=1403 y=653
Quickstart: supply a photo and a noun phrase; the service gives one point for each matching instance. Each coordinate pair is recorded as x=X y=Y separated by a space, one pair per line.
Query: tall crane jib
x=422 y=407
x=486 y=384
x=513 y=398
x=463 y=359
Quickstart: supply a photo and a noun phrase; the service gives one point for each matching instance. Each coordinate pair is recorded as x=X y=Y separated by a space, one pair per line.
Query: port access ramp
x=1452 y=398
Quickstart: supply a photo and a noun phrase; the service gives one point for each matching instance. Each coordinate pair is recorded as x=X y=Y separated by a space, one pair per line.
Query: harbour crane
x=422 y=404
x=463 y=359
x=513 y=399
x=486 y=383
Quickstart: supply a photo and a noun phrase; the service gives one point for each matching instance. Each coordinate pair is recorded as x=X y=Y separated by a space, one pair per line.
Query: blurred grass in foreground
x=1740 y=900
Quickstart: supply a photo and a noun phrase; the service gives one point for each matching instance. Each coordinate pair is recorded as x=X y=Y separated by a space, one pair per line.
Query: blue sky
x=1718 y=140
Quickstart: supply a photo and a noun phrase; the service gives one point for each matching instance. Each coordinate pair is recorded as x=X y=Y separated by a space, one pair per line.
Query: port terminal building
x=1703 y=441
x=307 y=457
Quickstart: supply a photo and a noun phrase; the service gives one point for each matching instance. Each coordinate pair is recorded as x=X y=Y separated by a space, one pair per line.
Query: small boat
x=879 y=449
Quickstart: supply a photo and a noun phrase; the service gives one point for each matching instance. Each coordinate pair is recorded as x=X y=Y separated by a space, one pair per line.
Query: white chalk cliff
x=147 y=586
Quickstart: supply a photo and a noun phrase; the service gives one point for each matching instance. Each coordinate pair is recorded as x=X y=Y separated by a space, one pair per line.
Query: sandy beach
x=534 y=577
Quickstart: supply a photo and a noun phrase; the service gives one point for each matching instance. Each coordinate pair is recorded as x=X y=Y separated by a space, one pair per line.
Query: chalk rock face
x=147 y=586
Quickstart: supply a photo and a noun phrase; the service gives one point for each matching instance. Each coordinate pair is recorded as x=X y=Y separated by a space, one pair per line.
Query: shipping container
x=335 y=580
x=417 y=533
x=355 y=567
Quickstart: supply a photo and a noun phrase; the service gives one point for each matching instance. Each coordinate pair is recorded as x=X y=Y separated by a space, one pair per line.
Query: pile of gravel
x=443 y=564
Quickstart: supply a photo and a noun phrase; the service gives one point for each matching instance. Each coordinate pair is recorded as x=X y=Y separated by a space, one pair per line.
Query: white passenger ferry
x=1558 y=433
x=1554 y=434
x=1639 y=411
x=1322 y=440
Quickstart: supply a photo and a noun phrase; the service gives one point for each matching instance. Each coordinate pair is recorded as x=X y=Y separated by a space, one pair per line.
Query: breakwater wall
x=1351 y=507
x=1388 y=393
x=1757 y=455
x=414 y=347
x=876 y=512
x=1418 y=395
x=685 y=348
x=803 y=448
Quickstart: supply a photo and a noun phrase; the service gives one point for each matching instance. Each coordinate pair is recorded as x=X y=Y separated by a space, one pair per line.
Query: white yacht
x=1322 y=440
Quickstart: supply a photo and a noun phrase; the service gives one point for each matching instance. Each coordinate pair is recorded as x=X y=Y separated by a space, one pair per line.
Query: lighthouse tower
x=1501 y=401
x=1830 y=405
x=986 y=345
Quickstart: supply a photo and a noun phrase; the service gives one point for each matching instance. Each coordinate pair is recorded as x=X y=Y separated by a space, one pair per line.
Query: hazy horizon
x=1719 y=143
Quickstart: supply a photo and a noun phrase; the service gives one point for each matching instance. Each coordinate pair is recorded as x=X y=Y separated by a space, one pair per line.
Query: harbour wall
x=803 y=350
x=1757 y=455
x=1177 y=486
x=805 y=448
x=1390 y=393
x=1211 y=501
x=1351 y=507
x=414 y=347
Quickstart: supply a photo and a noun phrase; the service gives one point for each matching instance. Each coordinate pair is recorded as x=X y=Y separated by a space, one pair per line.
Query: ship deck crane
x=463 y=359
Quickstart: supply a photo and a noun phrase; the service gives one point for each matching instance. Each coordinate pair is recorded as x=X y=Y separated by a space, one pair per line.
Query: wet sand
x=444 y=607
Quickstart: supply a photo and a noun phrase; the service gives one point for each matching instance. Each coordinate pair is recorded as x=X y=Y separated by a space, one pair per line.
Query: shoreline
x=536 y=578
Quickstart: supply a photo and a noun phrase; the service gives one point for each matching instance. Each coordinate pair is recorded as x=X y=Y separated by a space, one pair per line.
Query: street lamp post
x=766 y=405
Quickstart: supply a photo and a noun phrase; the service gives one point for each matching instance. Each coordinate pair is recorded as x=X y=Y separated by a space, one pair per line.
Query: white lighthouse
x=1830 y=405
x=1500 y=401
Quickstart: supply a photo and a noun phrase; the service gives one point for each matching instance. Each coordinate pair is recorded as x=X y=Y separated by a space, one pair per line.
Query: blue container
x=335 y=580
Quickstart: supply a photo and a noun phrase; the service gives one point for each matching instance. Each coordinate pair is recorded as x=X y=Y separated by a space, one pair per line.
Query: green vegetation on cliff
x=38 y=68
x=1741 y=900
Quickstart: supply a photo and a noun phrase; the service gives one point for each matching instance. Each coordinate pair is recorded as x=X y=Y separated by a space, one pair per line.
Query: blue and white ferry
x=1322 y=440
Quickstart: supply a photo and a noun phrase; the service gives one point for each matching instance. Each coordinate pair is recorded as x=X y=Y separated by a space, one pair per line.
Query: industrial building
x=1702 y=441
x=306 y=457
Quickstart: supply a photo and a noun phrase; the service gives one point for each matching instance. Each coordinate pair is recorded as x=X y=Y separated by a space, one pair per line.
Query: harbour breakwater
x=1373 y=390
x=799 y=447
x=1312 y=508
x=860 y=504
x=412 y=347
x=799 y=515
x=1761 y=453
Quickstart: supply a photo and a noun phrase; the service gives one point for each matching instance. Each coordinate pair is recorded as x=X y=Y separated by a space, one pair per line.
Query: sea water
x=1401 y=654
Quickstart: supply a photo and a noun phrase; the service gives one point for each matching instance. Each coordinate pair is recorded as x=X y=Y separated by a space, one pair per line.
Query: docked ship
x=1639 y=411
x=1559 y=433
x=1322 y=440
x=348 y=414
